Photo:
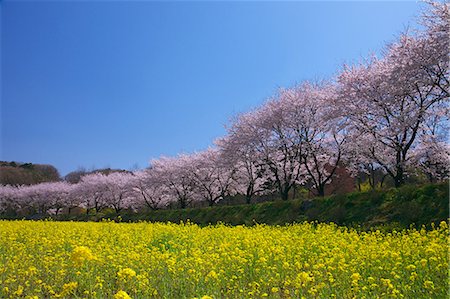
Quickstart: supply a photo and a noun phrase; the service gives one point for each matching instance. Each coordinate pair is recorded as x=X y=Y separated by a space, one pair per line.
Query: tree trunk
x=321 y=190
x=382 y=181
x=284 y=194
x=372 y=181
x=248 y=194
x=430 y=178
x=399 y=179
x=183 y=204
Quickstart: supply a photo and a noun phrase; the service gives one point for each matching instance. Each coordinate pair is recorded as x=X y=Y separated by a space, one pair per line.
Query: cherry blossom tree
x=117 y=190
x=360 y=165
x=92 y=188
x=43 y=198
x=389 y=100
x=56 y=194
x=176 y=174
x=295 y=137
x=432 y=155
x=9 y=199
x=433 y=159
x=319 y=133
x=149 y=190
x=249 y=176
x=433 y=52
x=34 y=198
x=273 y=143
x=213 y=178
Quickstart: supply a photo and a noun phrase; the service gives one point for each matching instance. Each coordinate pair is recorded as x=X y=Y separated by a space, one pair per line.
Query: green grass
x=402 y=207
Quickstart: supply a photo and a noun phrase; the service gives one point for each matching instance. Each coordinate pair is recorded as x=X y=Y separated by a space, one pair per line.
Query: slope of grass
x=409 y=205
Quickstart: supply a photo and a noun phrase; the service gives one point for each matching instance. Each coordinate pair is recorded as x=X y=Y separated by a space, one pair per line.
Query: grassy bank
x=395 y=207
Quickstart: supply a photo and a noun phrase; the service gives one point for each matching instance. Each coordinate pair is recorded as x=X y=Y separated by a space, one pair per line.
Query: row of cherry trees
x=181 y=180
x=387 y=114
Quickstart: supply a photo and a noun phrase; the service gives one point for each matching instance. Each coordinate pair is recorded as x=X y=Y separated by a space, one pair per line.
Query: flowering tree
x=435 y=42
x=213 y=178
x=248 y=177
x=432 y=155
x=389 y=100
x=176 y=174
x=35 y=197
x=149 y=190
x=92 y=189
x=360 y=165
x=9 y=198
x=57 y=194
x=117 y=190
x=319 y=133
x=272 y=142
x=433 y=158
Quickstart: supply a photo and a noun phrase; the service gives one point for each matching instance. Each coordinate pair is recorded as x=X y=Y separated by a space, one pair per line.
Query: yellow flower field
x=48 y=259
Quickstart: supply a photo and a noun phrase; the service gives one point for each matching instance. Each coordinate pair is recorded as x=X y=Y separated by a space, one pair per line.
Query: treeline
x=15 y=173
x=385 y=119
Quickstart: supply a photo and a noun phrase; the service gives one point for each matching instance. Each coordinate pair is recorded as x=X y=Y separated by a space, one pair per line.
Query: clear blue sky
x=114 y=84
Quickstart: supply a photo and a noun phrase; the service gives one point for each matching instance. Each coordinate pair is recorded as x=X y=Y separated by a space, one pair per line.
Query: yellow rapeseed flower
x=293 y=261
x=126 y=273
x=356 y=277
x=121 y=295
x=81 y=254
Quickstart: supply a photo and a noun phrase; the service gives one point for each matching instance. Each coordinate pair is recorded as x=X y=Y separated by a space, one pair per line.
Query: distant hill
x=17 y=173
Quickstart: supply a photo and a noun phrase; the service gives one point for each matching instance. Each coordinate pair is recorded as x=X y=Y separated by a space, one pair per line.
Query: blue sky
x=113 y=84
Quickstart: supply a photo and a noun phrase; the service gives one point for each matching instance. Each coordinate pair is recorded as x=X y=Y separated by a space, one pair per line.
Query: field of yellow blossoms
x=48 y=259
